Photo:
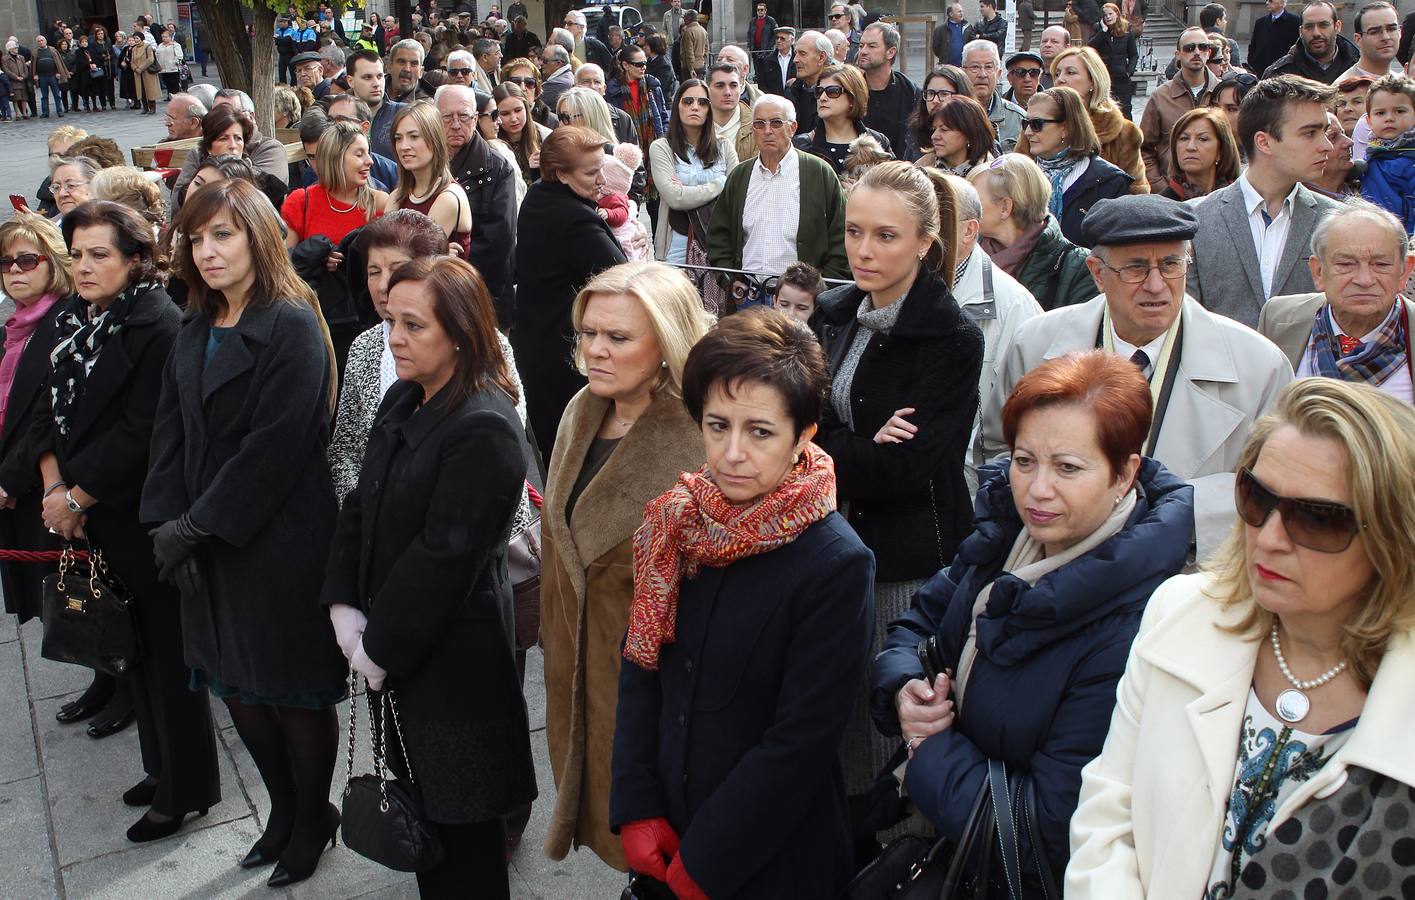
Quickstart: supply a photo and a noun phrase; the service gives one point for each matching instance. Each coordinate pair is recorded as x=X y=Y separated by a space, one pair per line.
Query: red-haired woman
x=1035 y=617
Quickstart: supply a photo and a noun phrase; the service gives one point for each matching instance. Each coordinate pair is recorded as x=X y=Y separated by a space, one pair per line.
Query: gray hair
x=786 y=106
x=591 y=67
x=984 y=45
x=965 y=198
x=243 y=100
x=362 y=111
x=737 y=53
x=450 y=90
x=559 y=54
x=204 y=93
x=409 y=44
x=457 y=56
x=195 y=108
x=332 y=54
x=1358 y=210
x=85 y=164
x=889 y=33
x=482 y=46
x=820 y=41
x=575 y=16
x=563 y=38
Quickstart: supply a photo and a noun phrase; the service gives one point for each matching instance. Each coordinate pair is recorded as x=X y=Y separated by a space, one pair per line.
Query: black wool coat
x=240 y=446
x=490 y=183
x=734 y=739
x=21 y=528
x=908 y=501
x=421 y=549
x=560 y=245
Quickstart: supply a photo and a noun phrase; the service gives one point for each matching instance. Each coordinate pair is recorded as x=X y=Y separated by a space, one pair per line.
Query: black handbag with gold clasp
x=88 y=615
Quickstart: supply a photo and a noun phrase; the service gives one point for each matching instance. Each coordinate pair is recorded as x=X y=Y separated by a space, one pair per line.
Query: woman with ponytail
x=904 y=365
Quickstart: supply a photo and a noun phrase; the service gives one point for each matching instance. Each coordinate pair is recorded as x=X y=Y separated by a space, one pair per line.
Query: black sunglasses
x=1190 y=48
x=1037 y=123
x=1026 y=73
x=459 y=71
x=829 y=90
x=695 y=101
x=1319 y=525
x=27 y=262
x=523 y=81
x=636 y=63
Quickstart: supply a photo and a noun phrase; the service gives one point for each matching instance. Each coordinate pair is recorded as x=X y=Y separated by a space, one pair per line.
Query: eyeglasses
x=1170 y=267
x=1191 y=47
x=27 y=262
x=492 y=114
x=1319 y=525
x=460 y=70
x=832 y=91
x=636 y=63
x=764 y=124
x=839 y=15
x=980 y=68
x=458 y=118
x=1217 y=61
x=695 y=101
x=67 y=187
x=1378 y=30
x=931 y=94
x=1037 y=123
x=1032 y=72
x=523 y=81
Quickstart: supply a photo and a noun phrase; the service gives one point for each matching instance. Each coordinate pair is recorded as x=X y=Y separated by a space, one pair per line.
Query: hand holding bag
x=383 y=818
x=88 y=615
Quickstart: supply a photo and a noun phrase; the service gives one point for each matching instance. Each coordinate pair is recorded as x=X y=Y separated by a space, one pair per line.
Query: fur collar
x=663 y=443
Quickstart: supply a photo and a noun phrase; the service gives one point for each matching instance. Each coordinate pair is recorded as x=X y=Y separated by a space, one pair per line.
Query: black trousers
x=475 y=864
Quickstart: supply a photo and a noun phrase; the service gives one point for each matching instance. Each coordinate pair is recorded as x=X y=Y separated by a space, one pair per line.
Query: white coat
x=1229 y=375
x=1153 y=803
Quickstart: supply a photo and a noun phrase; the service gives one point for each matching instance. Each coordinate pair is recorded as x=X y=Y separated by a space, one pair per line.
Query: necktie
x=1142 y=360
x=1350 y=346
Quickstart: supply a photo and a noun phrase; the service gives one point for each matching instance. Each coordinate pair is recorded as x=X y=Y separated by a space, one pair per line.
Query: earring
x=1118 y=499
x=663 y=365
x=922 y=255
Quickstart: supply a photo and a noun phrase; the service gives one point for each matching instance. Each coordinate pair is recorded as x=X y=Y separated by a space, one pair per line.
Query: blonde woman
x=1081 y=69
x=133 y=189
x=1261 y=733
x=586 y=108
x=623 y=440
x=424 y=182
x=341 y=199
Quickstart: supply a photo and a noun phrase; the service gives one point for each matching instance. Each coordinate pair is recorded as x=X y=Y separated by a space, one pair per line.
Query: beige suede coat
x=587 y=583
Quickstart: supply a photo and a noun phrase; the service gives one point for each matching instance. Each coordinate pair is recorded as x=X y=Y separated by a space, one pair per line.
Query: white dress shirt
x=1152 y=350
x=772 y=215
x=1269 y=237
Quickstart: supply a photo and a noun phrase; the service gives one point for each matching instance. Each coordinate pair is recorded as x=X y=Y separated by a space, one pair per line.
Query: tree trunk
x=555 y=11
x=262 y=89
x=226 y=39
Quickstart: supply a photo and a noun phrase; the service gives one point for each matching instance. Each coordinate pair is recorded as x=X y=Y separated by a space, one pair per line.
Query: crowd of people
x=827 y=399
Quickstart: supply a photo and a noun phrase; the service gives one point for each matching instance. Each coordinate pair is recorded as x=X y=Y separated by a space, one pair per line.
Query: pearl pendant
x=1293 y=706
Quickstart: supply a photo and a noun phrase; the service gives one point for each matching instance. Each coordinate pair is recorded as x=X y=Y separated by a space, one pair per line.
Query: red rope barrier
x=37 y=556
x=536 y=498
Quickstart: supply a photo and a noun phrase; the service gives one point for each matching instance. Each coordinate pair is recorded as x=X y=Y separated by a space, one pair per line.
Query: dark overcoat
x=240 y=445
x=560 y=244
x=734 y=739
x=21 y=528
x=908 y=501
x=1100 y=181
x=421 y=549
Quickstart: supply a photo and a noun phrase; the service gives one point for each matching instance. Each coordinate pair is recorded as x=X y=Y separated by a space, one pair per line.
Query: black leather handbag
x=88 y=615
x=383 y=818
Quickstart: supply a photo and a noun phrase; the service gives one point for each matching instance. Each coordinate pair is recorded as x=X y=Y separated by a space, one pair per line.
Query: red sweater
x=308 y=212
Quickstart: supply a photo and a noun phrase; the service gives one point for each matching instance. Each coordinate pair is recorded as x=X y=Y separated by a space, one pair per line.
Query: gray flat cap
x=1138 y=219
x=307 y=56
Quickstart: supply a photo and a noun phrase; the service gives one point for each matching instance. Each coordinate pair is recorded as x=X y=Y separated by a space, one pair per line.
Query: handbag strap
x=1003 y=810
x=975 y=837
x=1028 y=802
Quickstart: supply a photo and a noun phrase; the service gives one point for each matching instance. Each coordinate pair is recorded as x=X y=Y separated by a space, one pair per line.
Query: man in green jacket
x=781 y=206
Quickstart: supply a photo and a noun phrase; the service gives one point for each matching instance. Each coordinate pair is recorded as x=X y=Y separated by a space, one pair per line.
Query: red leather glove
x=681 y=883
x=648 y=845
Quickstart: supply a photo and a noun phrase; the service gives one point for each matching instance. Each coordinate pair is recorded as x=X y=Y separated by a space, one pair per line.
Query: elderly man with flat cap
x=1210 y=377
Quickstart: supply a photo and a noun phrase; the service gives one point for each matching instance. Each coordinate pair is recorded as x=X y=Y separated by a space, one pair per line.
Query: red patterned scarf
x=693 y=525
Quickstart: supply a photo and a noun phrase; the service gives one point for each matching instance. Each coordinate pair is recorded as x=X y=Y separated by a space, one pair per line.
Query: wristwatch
x=73 y=504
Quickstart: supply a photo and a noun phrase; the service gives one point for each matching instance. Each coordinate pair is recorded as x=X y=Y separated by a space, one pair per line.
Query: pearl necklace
x=1292 y=704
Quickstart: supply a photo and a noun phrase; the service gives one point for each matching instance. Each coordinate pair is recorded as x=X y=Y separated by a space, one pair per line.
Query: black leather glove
x=174 y=542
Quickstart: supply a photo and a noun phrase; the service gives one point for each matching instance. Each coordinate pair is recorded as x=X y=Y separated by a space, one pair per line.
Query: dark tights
x=475 y=864
x=295 y=750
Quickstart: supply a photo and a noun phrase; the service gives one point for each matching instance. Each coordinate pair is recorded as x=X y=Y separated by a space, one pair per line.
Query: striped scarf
x=1369 y=362
x=693 y=525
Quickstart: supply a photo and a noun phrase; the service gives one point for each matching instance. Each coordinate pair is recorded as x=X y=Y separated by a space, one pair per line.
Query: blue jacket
x=618 y=95
x=1100 y=181
x=734 y=739
x=1042 y=687
x=1390 y=180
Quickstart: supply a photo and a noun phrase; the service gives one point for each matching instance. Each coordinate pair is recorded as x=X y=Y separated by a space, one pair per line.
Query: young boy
x=797 y=291
x=1390 y=159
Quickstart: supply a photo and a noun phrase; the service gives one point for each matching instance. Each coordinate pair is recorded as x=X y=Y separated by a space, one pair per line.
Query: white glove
x=349 y=624
x=366 y=667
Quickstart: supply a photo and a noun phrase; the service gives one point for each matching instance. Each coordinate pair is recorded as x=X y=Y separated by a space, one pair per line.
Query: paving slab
x=9 y=629
x=18 y=759
x=49 y=679
x=25 y=858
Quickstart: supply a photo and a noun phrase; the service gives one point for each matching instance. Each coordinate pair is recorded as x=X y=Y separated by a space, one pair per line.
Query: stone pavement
x=62 y=818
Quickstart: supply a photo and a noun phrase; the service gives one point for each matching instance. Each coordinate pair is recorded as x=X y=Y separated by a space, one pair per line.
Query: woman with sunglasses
x=842 y=97
x=689 y=168
x=1064 y=144
x=1261 y=735
x=638 y=94
x=523 y=73
x=1081 y=69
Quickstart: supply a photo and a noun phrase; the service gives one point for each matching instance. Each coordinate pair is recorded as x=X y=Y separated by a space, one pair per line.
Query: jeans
x=49 y=84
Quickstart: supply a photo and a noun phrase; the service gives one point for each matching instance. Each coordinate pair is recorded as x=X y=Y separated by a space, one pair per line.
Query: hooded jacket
x=1042 y=687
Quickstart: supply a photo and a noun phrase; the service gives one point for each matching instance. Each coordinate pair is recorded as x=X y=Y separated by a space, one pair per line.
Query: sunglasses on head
x=1319 y=525
x=27 y=262
x=1190 y=48
x=829 y=90
x=1037 y=123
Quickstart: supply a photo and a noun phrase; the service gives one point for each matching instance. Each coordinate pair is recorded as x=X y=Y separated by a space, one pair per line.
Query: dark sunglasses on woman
x=1319 y=525
x=1037 y=123
x=832 y=91
x=696 y=101
x=27 y=262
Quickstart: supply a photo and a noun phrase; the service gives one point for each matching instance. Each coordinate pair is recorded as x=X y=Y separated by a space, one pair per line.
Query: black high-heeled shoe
x=142 y=793
x=90 y=703
x=263 y=853
x=146 y=829
x=290 y=871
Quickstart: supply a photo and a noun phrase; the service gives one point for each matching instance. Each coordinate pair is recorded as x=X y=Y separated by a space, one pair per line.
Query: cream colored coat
x=1153 y=803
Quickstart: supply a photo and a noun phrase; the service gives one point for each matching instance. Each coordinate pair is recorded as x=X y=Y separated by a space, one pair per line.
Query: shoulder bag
x=523 y=566
x=383 y=818
x=88 y=615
